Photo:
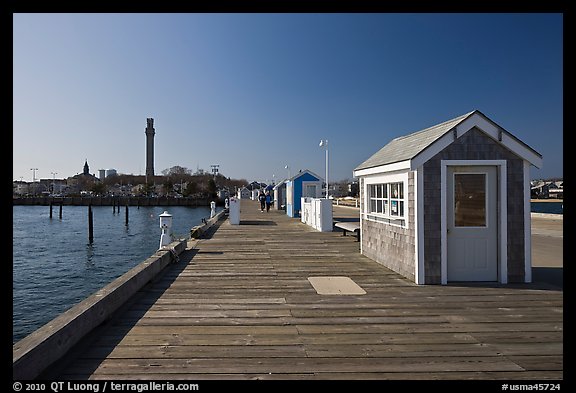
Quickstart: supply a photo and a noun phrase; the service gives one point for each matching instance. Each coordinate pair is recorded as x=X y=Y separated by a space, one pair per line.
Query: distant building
x=539 y=190
x=111 y=172
x=543 y=189
x=303 y=184
x=81 y=181
x=20 y=188
x=102 y=174
x=255 y=185
x=244 y=193
x=222 y=194
x=280 y=195
x=353 y=189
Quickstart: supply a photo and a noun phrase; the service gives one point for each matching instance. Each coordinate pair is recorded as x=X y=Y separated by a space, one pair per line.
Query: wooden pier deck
x=239 y=306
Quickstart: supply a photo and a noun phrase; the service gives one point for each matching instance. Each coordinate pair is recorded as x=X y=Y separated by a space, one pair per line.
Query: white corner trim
x=443 y=225
x=419 y=273
x=527 y=226
x=362 y=211
x=503 y=203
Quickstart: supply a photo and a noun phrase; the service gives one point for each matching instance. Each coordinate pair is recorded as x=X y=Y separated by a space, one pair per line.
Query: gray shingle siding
x=391 y=245
x=474 y=145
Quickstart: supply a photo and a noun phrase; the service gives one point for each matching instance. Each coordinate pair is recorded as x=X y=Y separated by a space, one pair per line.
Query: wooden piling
x=50 y=209
x=126 y=213
x=90 y=225
x=60 y=214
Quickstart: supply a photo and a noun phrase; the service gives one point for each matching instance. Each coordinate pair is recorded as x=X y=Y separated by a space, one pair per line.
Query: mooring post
x=90 y=225
x=60 y=214
x=166 y=226
x=126 y=213
x=50 y=209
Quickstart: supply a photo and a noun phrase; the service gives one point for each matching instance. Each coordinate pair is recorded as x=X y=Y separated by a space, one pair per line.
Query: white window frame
x=386 y=179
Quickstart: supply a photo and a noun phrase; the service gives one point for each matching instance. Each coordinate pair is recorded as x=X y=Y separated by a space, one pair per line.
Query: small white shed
x=450 y=203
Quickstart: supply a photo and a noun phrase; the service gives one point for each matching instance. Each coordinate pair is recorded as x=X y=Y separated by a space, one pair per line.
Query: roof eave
x=391 y=167
x=493 y=130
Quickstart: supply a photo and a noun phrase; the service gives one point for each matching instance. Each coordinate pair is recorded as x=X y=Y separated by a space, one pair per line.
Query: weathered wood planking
x=242 y=308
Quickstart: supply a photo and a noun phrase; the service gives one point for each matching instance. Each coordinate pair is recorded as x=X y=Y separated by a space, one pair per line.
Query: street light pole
x=324 y=143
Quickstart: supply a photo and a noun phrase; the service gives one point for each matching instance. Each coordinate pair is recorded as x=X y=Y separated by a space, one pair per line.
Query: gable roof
x=414 y=149
x=281 y=183
x=301 y=173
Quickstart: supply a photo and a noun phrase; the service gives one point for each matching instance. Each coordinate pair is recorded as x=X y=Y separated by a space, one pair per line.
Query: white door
x=472 y=218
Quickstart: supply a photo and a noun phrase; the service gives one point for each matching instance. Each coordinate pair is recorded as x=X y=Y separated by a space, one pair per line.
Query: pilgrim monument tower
x=149 y=149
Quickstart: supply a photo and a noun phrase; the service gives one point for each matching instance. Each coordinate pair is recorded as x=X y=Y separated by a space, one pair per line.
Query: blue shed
x=304 y=184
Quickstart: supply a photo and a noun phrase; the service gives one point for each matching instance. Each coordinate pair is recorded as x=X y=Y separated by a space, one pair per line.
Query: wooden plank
x=200 y=339
x=209 y=330
x=550 y=376
x=242 y=308
x=423 y=327
x=227 y=321
x=539 y=362
x=433 y=349
x=300 y=365
x=194 y=351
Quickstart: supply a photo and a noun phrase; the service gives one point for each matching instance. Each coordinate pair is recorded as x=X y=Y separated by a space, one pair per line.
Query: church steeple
x=86 y=169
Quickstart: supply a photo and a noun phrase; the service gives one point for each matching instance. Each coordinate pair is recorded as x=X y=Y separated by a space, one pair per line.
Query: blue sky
x=253 y=93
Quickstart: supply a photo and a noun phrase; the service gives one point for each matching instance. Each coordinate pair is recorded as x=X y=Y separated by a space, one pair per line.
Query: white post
x=327 y=188
x=212 y=209
x=324 y=143
x=166 y=226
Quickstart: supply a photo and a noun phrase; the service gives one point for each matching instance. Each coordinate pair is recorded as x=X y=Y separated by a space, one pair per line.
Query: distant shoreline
x=111 y=201
x=547 y=200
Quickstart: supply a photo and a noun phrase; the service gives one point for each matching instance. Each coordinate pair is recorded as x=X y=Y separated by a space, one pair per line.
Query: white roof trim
x=302 y=173
x=435 y=148
x=396 y=166
x=521 y=150
x=479 y=121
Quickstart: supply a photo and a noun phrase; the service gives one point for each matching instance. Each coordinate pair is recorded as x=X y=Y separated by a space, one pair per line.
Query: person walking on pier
x=262 y=199
x=268 y=201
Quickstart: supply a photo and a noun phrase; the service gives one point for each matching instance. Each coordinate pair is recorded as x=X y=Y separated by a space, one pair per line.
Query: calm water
x=547 y=207
x=54 y=267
